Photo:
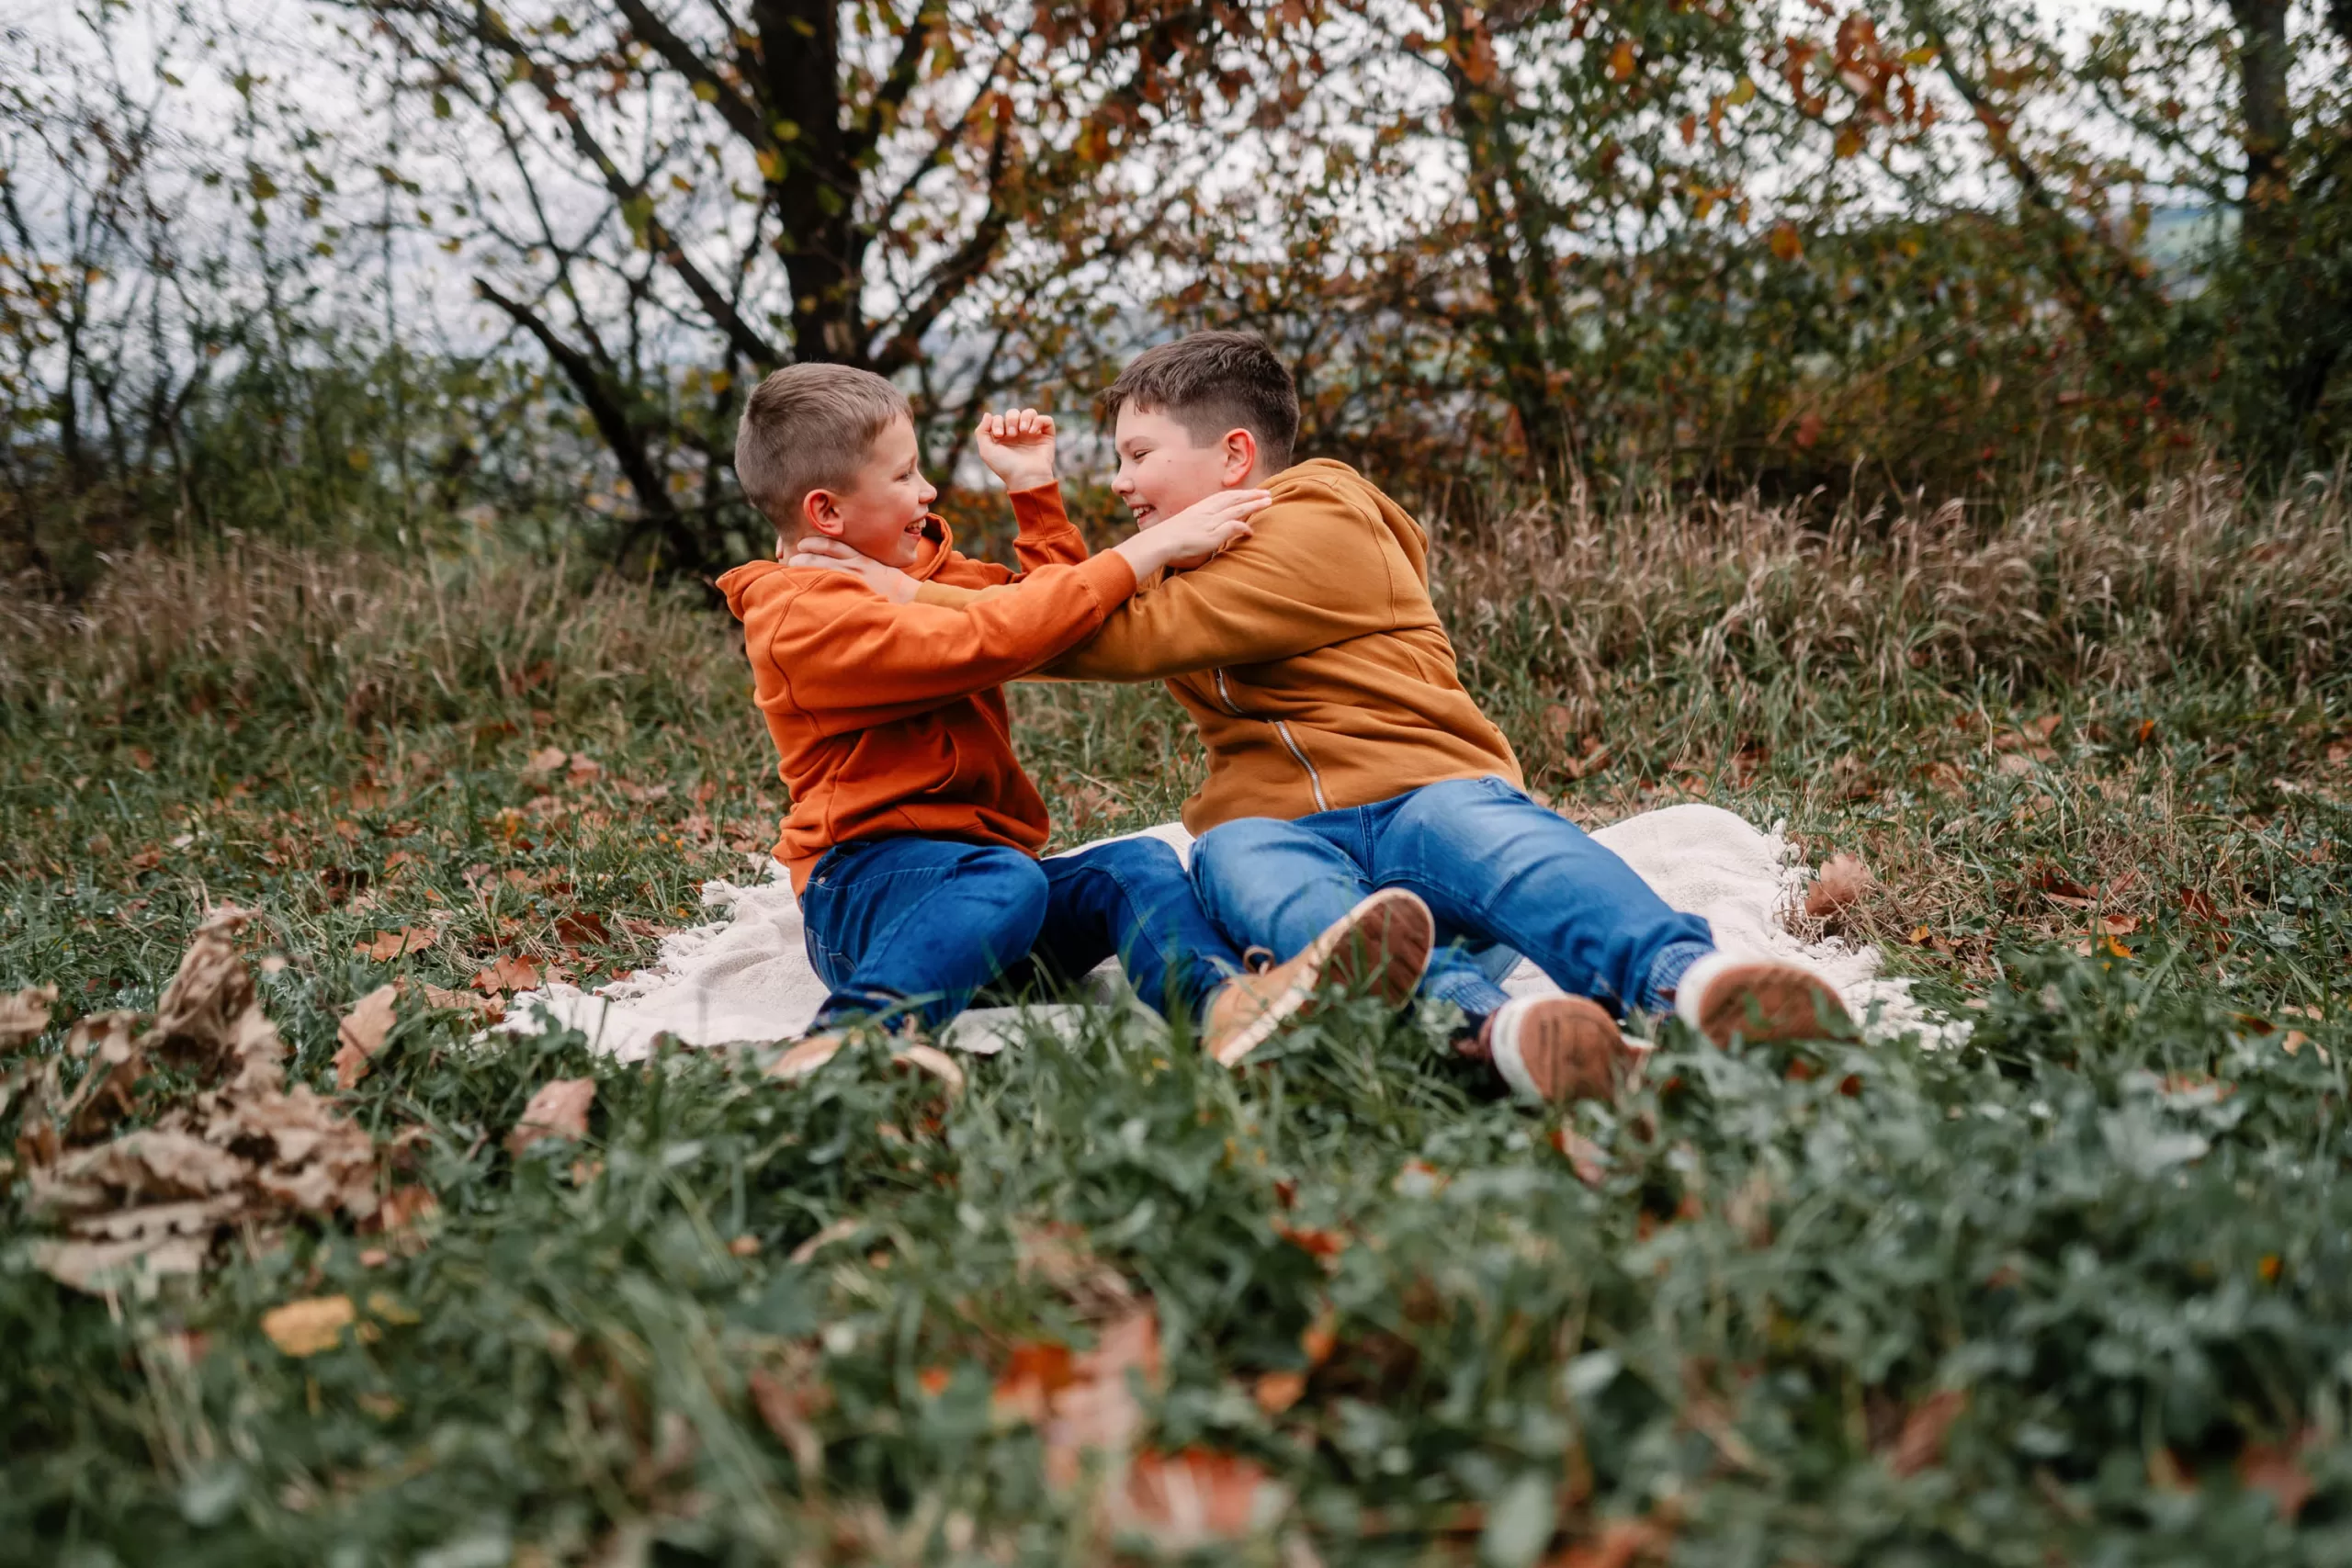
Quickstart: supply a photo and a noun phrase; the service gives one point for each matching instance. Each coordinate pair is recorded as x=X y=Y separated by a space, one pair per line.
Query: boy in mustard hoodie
x=913 y=834
x=1345 y=756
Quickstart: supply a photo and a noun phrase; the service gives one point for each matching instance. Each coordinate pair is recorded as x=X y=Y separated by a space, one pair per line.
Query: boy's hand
x=834 y=555
x=1018 y=447
x=1195 y=534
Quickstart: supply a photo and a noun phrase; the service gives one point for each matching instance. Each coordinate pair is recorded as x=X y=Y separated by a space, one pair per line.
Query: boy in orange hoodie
x=913 y=834
x=1345 y=756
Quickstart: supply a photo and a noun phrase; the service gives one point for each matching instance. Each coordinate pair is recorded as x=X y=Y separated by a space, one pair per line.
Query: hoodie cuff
x=1111 y=578
x=1040 y=509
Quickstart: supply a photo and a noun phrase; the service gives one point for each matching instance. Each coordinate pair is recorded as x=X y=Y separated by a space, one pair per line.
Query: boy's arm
x=843 y=653
x=1047 y=537
x=1313 y=575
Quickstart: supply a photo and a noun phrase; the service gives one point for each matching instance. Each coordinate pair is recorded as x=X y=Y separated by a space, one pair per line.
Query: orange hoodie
x=1309 y=655
x=888 y=718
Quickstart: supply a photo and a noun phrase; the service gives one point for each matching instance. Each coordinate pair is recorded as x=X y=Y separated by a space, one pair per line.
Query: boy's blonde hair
x=809 y=427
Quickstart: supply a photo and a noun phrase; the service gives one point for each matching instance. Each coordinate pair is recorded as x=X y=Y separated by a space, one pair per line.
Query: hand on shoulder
x=831 y=554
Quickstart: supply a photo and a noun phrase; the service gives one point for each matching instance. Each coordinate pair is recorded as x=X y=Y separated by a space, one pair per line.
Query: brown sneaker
x=1379 y=947
x=1759 y=1002
x=1559 y=1048
x=813 y=1053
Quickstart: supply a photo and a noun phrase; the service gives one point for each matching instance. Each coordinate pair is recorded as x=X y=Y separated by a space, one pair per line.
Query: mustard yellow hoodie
x=1310 y=656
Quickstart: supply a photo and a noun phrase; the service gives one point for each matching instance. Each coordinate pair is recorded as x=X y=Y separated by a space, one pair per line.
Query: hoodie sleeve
x=828 y=647
x=1314 y=572
x=1045 y=537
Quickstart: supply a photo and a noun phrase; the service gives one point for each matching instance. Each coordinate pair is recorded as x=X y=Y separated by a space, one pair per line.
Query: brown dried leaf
x=24 y=1015
x=1277 y=1392
x=557 y=1110
x=1184 y=1501
x=508 y=973
x=362 y=1034
x=389 y=945
x=1920 y=1445
x=1619 y=1543
x=152 y=1163
x=117 y=1062
x=306 y=1328
x=1842 y=882
x=100 y=1267
x=1097 y=1410
x=785 y=1403
x=581 y=927
x=1584 y=1157
x=2277 y=1470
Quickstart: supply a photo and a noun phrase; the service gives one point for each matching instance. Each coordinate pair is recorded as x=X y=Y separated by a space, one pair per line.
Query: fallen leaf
x=24 y=1015
x=785 y=1403
x=1187 y=1500
x=1842 y=882
x=509 y=973
x=547 y=760
x=1920 y=1445
x=1324 y=1243
x=308 y=1326
x=2118 y=925
x=389 y=945
x=1097 y=1410
x=1277 y=1392
x=1584 y=1157
x=581 y=927
x=1618 y=1543
x=558 y=1109
x=362 y=1034
x=2276 y=1469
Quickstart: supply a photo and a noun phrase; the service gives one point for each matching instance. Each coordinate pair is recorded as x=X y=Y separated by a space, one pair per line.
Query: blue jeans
x=914 y=926
x=1500 y=873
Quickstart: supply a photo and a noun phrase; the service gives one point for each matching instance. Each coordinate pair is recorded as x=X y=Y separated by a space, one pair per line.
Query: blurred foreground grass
x=2079 y=1291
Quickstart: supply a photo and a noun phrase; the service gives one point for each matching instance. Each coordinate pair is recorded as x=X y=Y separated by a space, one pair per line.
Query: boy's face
x=880 y=513
x=1161 y=471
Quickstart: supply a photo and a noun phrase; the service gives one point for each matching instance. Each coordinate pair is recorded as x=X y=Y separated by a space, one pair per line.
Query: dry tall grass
x=360 y=638
x=2082 y=585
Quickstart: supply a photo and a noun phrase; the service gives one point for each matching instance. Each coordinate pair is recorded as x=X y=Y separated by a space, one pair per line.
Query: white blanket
x=746 y=977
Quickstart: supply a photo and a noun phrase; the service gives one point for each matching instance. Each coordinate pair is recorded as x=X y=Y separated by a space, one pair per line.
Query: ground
x=2080 y=1291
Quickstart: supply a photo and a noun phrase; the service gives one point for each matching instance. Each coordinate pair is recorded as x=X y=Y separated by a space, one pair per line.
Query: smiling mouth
x=1144 y=514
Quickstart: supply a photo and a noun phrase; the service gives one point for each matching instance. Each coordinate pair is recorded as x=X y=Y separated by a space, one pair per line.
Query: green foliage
x=2079 y=1288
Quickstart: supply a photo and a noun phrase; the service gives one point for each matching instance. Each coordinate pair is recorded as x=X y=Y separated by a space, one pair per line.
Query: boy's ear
x=1238 y=458
x=821 y=513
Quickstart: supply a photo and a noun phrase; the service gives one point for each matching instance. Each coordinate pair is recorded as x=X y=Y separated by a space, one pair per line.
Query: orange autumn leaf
x=1786 y=244
x=557 y=1110
x=1277 y=1392
x=508 y=973
x=362 y=1034
x=1320 y=1243
x=1620 y=60
x=1920 y=1445
x=2276 y=1469
x=306 y=1328
x=1186 y=1500
x=389 y=945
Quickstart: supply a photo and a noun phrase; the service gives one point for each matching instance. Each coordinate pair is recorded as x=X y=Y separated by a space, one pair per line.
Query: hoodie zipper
x=1314 y=779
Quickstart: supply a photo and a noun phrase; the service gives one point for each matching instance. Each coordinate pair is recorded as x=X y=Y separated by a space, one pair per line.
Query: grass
x=2080 y=1291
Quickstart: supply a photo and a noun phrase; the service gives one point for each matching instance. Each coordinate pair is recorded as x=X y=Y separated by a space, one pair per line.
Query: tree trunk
x=815 y=183
x=1515 y=338
x=2270 y=124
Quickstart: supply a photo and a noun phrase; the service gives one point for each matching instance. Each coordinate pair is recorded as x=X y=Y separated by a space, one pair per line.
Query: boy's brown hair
x=809 y=427
x=1213 y=382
